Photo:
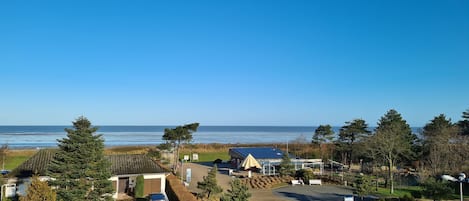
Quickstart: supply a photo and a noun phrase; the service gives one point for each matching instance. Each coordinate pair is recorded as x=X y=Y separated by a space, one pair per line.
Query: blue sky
x=232 y=62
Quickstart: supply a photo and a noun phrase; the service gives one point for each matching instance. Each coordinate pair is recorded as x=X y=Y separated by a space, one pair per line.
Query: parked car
x=157 y=197
x=4 y=172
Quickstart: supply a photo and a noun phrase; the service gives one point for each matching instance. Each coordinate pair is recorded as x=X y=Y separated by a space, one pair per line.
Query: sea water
x=46 y=136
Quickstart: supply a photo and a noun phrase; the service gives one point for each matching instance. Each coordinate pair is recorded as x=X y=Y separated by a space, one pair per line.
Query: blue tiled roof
x=258 y=152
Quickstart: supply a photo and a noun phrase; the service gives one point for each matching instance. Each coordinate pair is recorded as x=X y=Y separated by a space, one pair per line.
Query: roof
x=120 y=164
x=133 y=164
x=36 y=164
x=257 y=152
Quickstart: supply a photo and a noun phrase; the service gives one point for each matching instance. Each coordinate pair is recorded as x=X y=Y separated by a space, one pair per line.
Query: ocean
x=46 y=136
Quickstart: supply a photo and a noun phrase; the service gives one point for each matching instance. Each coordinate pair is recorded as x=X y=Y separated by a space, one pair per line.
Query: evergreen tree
x=238 y=192
x=363 y=185
x=80 y=170
x=464 y=123
x=209 y=184
x=351 y=133
x=323 y=134
x=286 y=167
x=392 y=141
x=39 y=191
x=437 y=190
x=177 y=136
x=439 y=138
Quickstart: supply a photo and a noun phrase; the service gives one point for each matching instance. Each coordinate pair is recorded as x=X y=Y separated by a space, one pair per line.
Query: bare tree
x=3 y=154
x=392 y=141
x=440 y=144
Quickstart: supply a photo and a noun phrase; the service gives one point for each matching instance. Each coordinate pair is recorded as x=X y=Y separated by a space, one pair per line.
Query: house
x=124 y=168
x=270 y=158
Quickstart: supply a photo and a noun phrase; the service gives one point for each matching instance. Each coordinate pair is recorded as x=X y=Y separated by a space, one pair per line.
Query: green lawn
x=15 y=161
x=399 y=192
x=210 y=156
x=409 y=190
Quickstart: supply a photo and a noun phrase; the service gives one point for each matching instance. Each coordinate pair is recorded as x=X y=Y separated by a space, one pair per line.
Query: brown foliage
x=176 y=191
x=39 y=191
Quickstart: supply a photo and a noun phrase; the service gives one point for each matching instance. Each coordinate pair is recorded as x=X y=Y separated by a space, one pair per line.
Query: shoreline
x=215 y=144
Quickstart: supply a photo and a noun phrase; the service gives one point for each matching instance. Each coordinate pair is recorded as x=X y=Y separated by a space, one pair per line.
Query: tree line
x=441 y=146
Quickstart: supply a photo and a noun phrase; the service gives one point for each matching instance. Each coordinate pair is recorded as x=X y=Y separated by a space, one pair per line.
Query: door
x=123 y=185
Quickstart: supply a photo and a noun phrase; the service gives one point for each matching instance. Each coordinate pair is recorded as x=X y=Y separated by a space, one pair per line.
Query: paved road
x=287 y=193
x=314 y=192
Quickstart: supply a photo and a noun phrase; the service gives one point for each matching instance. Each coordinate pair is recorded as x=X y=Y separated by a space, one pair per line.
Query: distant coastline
x=20 y=137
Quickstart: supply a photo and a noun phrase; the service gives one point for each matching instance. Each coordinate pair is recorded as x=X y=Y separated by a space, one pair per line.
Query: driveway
x=287 y=193
x=315 y=192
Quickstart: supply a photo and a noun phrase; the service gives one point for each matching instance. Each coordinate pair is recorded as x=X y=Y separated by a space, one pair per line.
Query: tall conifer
x=80 y=170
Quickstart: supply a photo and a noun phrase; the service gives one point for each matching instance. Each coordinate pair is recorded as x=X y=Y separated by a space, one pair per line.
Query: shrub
x=139 y=187
x=407 y=198
x=436 y=189
x=155 y=154
x=305 y=174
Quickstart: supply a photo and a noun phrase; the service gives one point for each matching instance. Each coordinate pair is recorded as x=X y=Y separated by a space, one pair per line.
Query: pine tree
x=438 y=145
x=177 y=136
x=286 y=168
x=323 y=134
x=363 y=185
x=392 y=141
x=464 y=123
x=351 y=133
x=209 y=184
x=39 y=191
x=80 y=170
x=238 y=192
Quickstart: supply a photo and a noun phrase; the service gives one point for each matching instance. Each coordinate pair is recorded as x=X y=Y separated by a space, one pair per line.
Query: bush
x=139 y=187
x=407 y=198
x=153 y=153
x=416 y=194
x=305 y=174
x=436 y=189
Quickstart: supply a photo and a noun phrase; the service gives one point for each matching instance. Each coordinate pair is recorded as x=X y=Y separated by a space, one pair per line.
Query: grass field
x=409 y=190
x=399 y=192
x=16 y=157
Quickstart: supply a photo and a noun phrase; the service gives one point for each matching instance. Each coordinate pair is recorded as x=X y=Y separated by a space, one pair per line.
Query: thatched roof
x=120 y=164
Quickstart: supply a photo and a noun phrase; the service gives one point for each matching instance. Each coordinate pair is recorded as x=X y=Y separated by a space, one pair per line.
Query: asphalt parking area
x=314 y=192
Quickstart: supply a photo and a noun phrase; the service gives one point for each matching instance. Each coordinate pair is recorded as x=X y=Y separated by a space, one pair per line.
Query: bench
x=296 y=182
x=314 y=182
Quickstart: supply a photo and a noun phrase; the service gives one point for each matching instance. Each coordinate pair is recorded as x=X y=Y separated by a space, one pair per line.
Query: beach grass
x=126 y=150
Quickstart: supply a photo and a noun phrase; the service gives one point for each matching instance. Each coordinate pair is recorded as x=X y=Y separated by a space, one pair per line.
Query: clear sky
x=232 y=62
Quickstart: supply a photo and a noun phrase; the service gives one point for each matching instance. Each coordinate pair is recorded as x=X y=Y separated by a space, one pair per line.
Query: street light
x=461 y=178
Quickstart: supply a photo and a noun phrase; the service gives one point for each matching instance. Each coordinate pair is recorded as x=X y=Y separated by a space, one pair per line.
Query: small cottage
x=124 y=168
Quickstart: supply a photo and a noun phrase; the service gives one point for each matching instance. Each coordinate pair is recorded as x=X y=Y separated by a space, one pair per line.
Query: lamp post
x=461 y=178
